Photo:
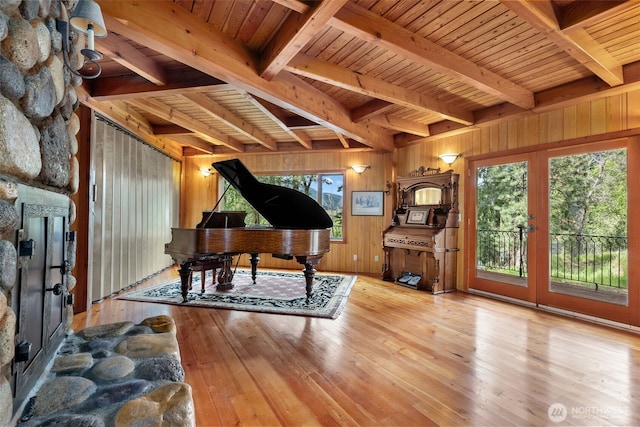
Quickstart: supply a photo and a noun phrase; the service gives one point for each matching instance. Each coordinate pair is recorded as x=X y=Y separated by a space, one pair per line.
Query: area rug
x=274 y=292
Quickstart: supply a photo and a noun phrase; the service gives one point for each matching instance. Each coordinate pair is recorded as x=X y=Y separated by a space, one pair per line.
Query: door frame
x=41 y=207
x=592 y=307
x=522 y=293
x=531 y=294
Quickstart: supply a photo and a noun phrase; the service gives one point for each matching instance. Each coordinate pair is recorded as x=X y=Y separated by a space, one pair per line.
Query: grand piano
x=300 y=228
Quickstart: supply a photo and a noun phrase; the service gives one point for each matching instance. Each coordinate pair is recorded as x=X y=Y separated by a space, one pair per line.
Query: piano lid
x=283 y=207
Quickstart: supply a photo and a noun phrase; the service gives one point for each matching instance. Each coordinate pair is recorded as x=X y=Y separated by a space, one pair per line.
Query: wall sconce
x=449 y=158
x=87 y=19
x=205 y=172
x=359 y=169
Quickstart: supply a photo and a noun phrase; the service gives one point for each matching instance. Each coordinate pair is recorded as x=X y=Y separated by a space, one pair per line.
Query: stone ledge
x=121 y=374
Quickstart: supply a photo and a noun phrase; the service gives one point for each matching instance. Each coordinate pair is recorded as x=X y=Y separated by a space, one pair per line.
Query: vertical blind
x=136 y=196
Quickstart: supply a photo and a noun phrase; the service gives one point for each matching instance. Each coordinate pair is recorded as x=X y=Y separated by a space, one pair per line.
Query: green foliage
x=502 y=196
x=587 y=197
x=605 y=269
x=588 y=193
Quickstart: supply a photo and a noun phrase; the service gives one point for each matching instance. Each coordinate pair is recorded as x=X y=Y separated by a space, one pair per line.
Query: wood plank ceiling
x=252 y=76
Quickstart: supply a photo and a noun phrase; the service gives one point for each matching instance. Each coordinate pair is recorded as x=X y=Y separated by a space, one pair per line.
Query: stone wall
x=38 y=143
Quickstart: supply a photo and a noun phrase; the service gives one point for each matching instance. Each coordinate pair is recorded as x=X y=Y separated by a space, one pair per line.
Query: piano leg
x=309 y=271
x=225 y=276
x=255 y=259
x=185 y=279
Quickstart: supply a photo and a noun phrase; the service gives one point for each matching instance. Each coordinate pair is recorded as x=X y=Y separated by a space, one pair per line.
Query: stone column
x=38 y=145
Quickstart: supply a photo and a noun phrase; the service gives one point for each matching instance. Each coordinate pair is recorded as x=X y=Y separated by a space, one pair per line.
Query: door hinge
x=23 y=351
x=26 y=247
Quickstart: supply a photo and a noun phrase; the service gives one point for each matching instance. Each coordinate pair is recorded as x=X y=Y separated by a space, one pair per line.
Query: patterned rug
x=274 y=292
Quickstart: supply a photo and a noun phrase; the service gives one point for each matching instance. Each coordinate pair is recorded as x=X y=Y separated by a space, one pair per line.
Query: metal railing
x=592 y=259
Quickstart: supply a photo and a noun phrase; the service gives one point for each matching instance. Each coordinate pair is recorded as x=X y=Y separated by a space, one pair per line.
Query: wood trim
x=511 y=291
x=605 y=310
x=81 y=199
x=561 y=144
x=633 y=230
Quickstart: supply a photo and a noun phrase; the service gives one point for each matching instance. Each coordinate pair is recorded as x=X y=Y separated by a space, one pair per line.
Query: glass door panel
x=502 y=220
x=501 y=223
x=587 y=248
x=588 y=225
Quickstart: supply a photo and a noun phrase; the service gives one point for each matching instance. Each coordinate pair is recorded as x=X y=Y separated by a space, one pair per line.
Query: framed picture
x=417 y=217
x=367 y=203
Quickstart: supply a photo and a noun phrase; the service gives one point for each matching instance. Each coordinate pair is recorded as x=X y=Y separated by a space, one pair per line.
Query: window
x=325 y=188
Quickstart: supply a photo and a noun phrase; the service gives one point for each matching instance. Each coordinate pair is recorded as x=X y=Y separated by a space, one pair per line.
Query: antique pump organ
x=421 y=245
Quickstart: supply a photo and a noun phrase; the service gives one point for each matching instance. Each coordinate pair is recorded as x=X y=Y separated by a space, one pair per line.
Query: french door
x=554 y=228
x=502 y=214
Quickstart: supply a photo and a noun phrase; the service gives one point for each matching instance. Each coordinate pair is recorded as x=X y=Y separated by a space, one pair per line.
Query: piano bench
x=202 y=267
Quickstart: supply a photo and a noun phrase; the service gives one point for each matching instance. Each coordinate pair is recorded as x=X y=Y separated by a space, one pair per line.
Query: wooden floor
x=399 y=357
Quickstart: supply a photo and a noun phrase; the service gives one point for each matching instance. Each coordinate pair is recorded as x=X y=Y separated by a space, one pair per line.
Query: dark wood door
x=42 y=292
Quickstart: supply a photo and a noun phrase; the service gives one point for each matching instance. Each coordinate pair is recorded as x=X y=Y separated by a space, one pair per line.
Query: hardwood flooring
x=399 y=357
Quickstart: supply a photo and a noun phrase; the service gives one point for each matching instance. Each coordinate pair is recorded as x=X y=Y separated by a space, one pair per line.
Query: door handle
x=57 y=289
x=526 y=228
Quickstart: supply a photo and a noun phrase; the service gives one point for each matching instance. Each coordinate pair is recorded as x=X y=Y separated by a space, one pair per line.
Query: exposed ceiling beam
x=366 y=25
x=116 y=47
x=584 y=13
x=586 y=90
x=181 y=119
x=171 y=30
x=345 y=78
x=573 y=93
x=344 y=141
x=128 y=118
x=170 y=130
x=131 y=86
x=400 y=124
x=277 y=117
x=370 y=109
x=119 y=112
x=302 y=138
x=294 y=34
x=328 y=145
x=297 y=122
x=218 y=112
x=196 y=143
x=294 y=5
x=541 y=15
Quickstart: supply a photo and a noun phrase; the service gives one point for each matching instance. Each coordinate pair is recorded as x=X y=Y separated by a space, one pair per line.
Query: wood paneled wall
x=136 y=202
x=604 y=116
x=609 y=116
x=362 y=233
